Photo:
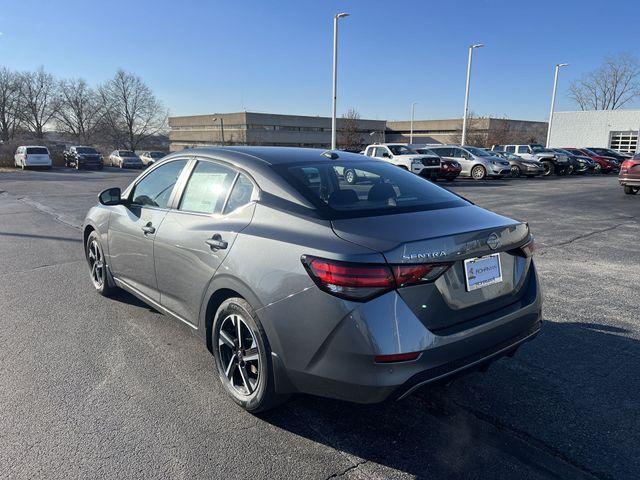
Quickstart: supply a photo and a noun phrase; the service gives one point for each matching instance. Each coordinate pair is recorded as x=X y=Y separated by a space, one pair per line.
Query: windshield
x=156 y=154
x=378 y=189
x=400 y=150
x=538 y=149
x=478 y=152
x=426 y=151
x=87 y=150
x=126 y=153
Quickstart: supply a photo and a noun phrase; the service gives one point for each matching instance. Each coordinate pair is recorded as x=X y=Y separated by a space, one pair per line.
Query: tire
x=121 y=165
x=77 y=165
x=597 y=168
x=98 y=269
x=350 y=176
x=250 y=383
x=515 y=171
x=478 y=172
x=629 y=190
x=23 y=166
x=570 y=170
x=549 y=168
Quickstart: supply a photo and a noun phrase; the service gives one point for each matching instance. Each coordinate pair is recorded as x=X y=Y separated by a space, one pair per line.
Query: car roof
x=32 y=146
x=270 y=155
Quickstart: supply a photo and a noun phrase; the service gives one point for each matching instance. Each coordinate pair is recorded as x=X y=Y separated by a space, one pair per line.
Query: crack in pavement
x=49 y=211
x=40 y=267
x=590 y=234
x=347 y=470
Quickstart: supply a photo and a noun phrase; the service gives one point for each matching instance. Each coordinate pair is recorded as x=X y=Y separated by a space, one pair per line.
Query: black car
x=578 y=164
x=78 y=157
x=607 y=152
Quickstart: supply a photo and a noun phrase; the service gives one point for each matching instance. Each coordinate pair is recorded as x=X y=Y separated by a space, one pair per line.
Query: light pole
x=221 y=128
x=335 y=77
x=413 y=112
x=553 y=100
x=466 y=95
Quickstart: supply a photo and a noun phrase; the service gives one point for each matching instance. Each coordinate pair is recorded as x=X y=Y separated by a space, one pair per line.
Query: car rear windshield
x=86 y=150
x=37 y=151
x=127 y=153
x=349 y=190
x=156 y=154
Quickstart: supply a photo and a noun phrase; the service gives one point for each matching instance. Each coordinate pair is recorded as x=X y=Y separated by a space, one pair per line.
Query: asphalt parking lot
x=97 y=388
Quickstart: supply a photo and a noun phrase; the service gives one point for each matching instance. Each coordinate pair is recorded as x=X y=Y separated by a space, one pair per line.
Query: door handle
x=216 y=242
x=148 y=229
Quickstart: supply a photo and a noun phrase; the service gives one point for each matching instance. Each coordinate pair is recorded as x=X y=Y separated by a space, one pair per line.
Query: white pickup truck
x=399 y=154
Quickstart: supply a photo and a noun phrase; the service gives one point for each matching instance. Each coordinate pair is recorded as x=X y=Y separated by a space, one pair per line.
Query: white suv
x=32 y=156
x=404 y=157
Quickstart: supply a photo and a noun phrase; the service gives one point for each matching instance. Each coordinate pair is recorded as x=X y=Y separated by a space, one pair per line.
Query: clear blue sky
x=275 y=56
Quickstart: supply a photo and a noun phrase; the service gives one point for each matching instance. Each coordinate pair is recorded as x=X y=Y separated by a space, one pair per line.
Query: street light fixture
x=553 y=100
x=466 y=95
x=335 y=76
x=221 y=127
x=413 y=112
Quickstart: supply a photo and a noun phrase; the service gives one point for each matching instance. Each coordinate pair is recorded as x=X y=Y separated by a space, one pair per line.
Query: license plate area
x=482 y=271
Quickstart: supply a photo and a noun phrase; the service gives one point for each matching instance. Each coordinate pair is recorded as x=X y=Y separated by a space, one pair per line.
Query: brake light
x=363 y=281
x=627 y=164
x=396 y=357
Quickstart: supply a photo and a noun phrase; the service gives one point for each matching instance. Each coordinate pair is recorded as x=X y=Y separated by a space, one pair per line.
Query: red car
x=449 y=169
x=629 y=176
x=603 y=164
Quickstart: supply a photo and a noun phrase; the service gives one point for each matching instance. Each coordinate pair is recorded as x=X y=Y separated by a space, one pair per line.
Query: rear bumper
x=341 y=364
x=630 y=181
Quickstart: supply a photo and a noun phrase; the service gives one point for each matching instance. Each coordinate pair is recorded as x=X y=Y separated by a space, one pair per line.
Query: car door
x=463 y=158
x=196 y=236
x=133 y=227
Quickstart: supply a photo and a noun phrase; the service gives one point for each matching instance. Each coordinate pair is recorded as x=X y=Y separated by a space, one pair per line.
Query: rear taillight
x=627 y=164
x=363 y=281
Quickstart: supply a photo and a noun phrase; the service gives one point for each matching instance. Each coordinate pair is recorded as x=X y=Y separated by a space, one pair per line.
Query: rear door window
x=523 y=149
x=510 y=149
x=240 y=195
x=207 y=188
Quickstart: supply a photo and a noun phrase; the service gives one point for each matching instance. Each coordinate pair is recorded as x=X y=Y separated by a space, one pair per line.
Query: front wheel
x=548 y=168
x=478 y=172
x=350 y=176
x=515 y=171
x=570 y=170
x=243 y=356
x=597 y=168
x=100 y=277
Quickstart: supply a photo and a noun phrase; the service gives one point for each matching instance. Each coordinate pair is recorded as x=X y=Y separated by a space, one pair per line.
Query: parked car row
x=81 y=156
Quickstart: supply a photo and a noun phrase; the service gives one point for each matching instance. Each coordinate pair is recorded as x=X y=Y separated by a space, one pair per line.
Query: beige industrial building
x=482 y=132
x=250 y=128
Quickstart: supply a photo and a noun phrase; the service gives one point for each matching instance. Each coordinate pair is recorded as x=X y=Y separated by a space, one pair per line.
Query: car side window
x=510 y=149
x=240 y=194
x=207 y=188
x=154 y=190
x=523 y=149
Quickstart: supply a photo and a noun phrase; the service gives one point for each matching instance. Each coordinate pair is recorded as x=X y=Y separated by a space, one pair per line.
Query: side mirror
x=111 y=196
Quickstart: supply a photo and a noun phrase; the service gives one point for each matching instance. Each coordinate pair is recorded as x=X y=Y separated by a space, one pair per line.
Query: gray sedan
x=299 y=281
x=521 y=167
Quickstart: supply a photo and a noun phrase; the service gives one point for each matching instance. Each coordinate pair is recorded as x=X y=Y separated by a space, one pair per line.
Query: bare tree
x=349 y=138
x=38 y=102
x=132 y=113
x=9 y=104
x=611 y=86
x=79 y=111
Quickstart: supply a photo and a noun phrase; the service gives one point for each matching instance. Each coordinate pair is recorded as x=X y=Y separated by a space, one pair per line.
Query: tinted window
x=207 y=188
x=37 y=151
x=523 y=149
x=442 y=151
x=154 y=190
x=86 y=150
x=510 y=149
x=381 y=189
x=240 y=194
x=400 y=150
x=127 y=153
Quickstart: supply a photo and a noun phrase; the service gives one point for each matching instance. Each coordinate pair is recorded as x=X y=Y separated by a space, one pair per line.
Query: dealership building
x=250 y=128
x=616 y=129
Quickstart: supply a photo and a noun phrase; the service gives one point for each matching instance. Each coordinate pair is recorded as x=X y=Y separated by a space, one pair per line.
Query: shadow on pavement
x=441 y=432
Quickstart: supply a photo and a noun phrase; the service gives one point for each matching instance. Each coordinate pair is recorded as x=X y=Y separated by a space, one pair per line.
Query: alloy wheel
x=96 y=263
x=350 y=176
x=515 y=171
x=239 y=354
x=478 y=172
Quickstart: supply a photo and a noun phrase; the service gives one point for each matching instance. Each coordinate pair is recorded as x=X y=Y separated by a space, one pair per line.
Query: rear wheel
x=98 y=269
x=597 y=168
x=243 y=356
x=478 y=172
x=629 y=190
x=570 y=170
x=548 y=168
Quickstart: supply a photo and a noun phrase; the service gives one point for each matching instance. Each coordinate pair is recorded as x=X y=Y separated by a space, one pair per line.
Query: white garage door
x=624 y=141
